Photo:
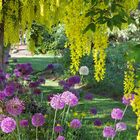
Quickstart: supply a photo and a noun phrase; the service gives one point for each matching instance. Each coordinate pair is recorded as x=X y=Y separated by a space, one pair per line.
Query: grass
x=103 y=104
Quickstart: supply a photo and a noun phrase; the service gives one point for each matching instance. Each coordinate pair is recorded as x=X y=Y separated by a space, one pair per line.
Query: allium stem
x=63 y=115
x=125 y=110
x=67 y=113
x=18 y=131
x=54 y=123
x=36 y=133
x=42 y=97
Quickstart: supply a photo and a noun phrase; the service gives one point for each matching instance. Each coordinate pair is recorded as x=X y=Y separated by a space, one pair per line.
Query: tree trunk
x=2 y=46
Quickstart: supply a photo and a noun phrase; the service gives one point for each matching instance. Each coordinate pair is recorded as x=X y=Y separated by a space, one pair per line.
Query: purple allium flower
x=109 y=132
x=23 y=70
x=117 y=114
x=50 y=67
x=15 y=106
x=8 y=125
x=57 y=102
x=2 y=95
x=62 y=82
x=75 y=123
x=37 y=91
x=9 y=90
x=60 y=138
x=34 y=84
x=41 y=81
x=58 y=129
x=49 y=97
x=127 y=99
x=88 y=96
x=73 y=80
x=69 y=98
x=24 y=123
x=38 y=120
x=93 y=111
x=97 y=122
x=2 y=116
x=121 y=126
x=2 y=76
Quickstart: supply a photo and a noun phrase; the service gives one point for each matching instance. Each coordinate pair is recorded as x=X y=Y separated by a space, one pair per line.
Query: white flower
x=84 y=70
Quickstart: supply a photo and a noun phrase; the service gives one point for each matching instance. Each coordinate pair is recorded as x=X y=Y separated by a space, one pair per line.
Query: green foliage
x=113 y=14
x=45 y=40
x=112 y=85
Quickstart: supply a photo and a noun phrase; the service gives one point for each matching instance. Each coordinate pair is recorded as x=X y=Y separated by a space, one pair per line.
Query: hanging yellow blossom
x=129 y=78
x=75 y=22
x=100 y=42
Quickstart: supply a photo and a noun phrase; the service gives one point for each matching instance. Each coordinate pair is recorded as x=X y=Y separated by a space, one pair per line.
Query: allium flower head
x=24 y=123
x=2 y=95
x=127 y=99
x=8 y=125
x=15 y=106
x=57 y=102
x=97 y=122
x=38 y=120
x=37 y=91
x=2 y=76
x=50 y=67
x=60 y=138
x=69 y=98
x=93 y=111
x=117 y=114
x=9 y=90
x=75 y=123
x=109 y=132
x=41 y=81
x=23 y=70
x=84 y=70
x=58 y=129
x=2 y=116
x=7 y=75
x=121 y=126
x=49 y=97
x=88 y=96
x=34 y=84
x=73 y=80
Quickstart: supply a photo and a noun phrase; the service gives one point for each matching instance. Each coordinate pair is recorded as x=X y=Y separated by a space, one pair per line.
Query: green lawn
x=103 y=104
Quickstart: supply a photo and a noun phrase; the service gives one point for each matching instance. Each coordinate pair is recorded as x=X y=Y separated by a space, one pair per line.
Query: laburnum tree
x=86 y=24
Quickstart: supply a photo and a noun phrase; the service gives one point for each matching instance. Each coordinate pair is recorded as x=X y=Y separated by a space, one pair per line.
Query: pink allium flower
x=69 y=98
x=60 y=138
x=24 y=123
x=7 y=75
x=75 y=123
x=8 y=125
x=2 y=95
x=109 y=132
x=117 y=114
x=121 y=126
x=15 y=106
x=57 y=102
x=2 y=116
x=38 y=120
x=127 y=99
